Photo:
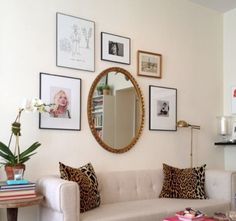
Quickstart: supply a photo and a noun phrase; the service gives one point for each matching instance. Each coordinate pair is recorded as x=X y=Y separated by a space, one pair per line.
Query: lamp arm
x=195 y=127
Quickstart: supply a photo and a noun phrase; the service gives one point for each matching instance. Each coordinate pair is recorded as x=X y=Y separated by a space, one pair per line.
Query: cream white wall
x=188 y=36
x=229 y=54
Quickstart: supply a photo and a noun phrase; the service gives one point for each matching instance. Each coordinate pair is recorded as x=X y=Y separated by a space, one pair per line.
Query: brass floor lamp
x=183 y=123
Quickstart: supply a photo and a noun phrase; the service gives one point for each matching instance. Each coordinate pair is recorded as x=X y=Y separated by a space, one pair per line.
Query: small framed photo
x=149 y=64
x=233 y=100
x=75 y=42
x=115 y=48
x=65 y=95
x=162 y=108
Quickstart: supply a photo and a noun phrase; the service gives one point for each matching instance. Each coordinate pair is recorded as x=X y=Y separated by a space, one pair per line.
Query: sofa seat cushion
x=151 y=210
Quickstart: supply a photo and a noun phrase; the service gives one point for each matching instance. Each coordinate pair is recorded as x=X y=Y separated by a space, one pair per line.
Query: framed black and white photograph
x=115 y=48
x=64 y=94
x=75 y=42
x=162 y=108
x=149 y=64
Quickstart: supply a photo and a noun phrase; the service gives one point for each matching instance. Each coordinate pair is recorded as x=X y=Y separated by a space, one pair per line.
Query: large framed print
x=162 y=108
x=75 y=42
x=115 y=48
x=149 y=64
x=65 y=95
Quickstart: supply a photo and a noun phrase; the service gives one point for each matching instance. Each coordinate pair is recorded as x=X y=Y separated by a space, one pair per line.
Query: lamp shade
x=182 y=123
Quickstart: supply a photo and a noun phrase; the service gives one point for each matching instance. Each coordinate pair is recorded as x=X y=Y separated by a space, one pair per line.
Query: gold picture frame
x=149 y=64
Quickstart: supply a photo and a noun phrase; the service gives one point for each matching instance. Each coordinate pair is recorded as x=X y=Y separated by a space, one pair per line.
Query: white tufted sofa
x=132 y=196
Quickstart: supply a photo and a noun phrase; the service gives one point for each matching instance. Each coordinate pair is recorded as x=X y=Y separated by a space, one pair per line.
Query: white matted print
x=162 y=108
x=149 y=64
x=115 y=48
x=65 y=95
x=75 y=42
x=233 y=100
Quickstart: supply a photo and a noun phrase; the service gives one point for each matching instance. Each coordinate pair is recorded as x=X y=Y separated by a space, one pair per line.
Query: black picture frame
x=75 y=42
x=115 y=48
x=162 y=108
x=65 y=116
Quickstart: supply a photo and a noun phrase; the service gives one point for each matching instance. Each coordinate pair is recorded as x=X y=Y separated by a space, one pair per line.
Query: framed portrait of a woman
x=64 y=95
x=162 y=108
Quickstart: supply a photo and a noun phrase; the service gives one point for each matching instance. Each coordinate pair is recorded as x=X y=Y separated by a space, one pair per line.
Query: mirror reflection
x=116 y=112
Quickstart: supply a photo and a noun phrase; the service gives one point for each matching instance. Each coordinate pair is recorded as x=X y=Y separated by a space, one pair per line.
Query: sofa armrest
x=221 y=184
x=61 y=196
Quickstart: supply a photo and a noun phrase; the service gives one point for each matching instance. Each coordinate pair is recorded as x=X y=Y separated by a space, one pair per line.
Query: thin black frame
x=175 y=115
x=59 y=13
x=80 y=102
x=129 y=48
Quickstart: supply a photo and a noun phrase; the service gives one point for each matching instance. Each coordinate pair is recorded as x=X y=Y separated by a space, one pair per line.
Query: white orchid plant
x=15 y=158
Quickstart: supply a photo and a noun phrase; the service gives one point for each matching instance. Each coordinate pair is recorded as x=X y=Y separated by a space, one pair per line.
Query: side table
x=13 y=205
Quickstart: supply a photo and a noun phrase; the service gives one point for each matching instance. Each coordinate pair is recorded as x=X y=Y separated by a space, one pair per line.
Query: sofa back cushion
x=220 y=184
x=147 y=184
x=119 y=186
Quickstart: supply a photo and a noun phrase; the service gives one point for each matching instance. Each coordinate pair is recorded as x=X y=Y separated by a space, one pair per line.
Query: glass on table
x=18 y=173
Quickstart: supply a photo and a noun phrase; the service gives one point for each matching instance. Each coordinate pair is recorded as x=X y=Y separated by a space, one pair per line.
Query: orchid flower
x=27 y=105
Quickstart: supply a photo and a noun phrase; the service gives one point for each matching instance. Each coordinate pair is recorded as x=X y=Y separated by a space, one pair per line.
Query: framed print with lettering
x=75 y=42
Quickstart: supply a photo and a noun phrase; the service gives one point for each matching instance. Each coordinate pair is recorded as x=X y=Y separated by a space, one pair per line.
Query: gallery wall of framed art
x=75 y=49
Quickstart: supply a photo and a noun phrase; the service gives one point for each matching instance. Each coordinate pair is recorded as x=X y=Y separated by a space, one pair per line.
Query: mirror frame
x=89 y=110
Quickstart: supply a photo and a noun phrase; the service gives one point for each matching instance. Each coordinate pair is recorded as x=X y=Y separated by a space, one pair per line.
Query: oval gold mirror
x=116 y=110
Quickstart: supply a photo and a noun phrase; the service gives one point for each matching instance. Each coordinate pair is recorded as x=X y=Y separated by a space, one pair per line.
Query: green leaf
x=6 y=157
x=24 y=159
x=29 y=150
x=4 y=149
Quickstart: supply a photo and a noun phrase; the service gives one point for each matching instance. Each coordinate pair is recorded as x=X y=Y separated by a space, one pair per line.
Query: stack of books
x=17 y=190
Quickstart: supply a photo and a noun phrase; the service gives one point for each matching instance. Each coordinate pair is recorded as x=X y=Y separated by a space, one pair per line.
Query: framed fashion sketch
x=115 y=48
x=162 y=108
x=75 y=42
x=64 y=95
x=149 y=64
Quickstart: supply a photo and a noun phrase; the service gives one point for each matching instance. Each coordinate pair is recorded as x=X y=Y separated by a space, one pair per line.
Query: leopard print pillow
x=183 y=183
x=87 y=181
